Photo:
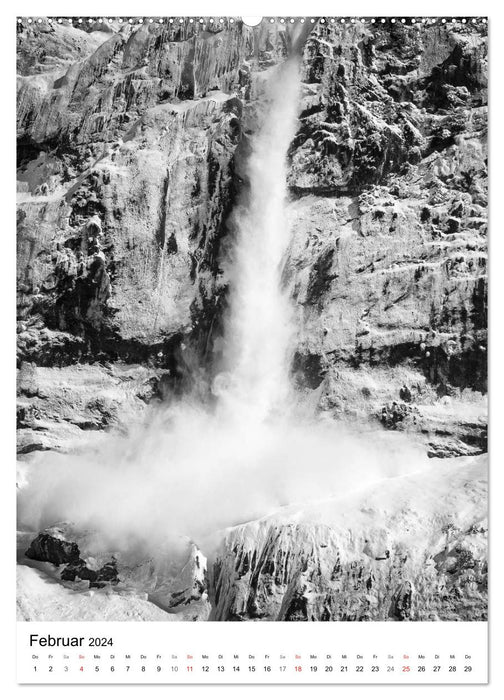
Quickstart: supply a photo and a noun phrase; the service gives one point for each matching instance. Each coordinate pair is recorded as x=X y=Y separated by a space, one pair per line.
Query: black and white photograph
x=252 y=319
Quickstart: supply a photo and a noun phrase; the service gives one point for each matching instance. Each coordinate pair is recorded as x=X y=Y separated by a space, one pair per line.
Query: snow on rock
x=174 y=577
x=38 y=599
x=411 y=548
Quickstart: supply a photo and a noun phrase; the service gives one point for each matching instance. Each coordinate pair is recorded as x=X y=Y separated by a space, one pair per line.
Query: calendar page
x=252 y=349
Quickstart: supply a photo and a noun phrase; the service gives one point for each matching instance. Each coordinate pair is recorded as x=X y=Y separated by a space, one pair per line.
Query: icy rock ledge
x=412 y=548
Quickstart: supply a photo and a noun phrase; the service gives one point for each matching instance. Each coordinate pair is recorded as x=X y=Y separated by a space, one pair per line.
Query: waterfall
x=195 y=468
x=260 y=326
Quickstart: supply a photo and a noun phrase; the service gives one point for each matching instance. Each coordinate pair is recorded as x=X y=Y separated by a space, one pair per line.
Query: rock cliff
x=388 y=261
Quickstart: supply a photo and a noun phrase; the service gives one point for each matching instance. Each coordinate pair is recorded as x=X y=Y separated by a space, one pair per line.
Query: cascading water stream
x=259 y=329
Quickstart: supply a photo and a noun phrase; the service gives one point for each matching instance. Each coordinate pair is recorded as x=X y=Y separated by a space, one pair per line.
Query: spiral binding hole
x=204 y=21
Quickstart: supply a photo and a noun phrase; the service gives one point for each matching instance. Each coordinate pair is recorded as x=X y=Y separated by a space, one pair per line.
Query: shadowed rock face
x=54 y=550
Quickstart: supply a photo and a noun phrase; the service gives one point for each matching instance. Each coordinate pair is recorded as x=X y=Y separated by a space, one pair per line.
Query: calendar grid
x=299 y=653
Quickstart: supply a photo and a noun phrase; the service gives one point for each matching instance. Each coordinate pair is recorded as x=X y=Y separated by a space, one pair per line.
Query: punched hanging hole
x=251 y=21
